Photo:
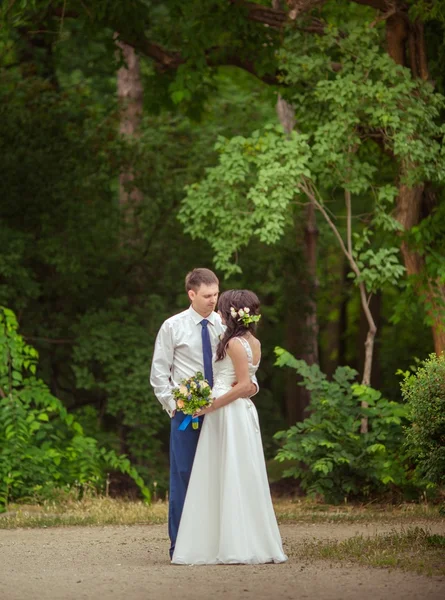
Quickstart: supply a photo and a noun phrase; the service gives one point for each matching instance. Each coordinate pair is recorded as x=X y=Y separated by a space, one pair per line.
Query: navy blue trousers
x=182 y=454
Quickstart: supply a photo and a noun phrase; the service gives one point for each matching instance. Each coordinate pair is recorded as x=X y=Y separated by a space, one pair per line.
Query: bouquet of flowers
x=192 y=394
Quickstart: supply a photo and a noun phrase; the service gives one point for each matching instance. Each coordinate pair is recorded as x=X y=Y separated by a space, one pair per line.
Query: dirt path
x=130 y=563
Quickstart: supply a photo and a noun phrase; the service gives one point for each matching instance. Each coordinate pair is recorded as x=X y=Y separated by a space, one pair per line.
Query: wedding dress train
x=228 y=515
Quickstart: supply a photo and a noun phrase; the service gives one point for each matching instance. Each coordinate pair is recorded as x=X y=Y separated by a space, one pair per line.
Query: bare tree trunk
x=406 y=46
x=286 y=114
x=303 y=327
x=310 y=192
x=396 y=36
x=409 y=204
x=305 y=322
x=301 y=321
x=375 y=308
x=369 y=344
x=310 y=252
x=130 y=94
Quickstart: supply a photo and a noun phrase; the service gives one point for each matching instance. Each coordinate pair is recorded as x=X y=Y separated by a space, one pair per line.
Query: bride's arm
x=241 y=389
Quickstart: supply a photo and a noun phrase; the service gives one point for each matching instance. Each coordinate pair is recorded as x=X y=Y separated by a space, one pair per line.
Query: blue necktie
x=207 y=352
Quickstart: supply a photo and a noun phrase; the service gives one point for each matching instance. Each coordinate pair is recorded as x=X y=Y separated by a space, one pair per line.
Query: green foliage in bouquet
x=42 y=446
x=332 y=458
x=424 y=392
x=193 y=394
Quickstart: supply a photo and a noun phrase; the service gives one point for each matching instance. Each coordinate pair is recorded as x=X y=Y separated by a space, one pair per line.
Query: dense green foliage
x=424 y=393
x=91 y=276
x=332 y=459
x=88 y=297
x=42 y=446
x=259 y=178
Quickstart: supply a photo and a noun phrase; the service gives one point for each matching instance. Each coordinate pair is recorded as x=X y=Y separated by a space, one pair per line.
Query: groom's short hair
x=197 y=277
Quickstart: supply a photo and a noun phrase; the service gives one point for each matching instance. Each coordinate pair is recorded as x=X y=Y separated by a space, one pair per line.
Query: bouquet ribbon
x=186 y=422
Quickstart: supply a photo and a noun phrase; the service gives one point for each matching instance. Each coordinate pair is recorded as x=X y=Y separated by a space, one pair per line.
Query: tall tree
x=130 y=94
x=301 y=322
x=339 y=114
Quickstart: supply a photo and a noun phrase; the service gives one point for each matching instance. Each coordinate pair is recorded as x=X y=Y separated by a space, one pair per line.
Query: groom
x=184 y=345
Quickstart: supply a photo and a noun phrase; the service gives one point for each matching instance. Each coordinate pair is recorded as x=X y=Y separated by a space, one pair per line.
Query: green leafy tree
x=42 y=447
x=340 y=112
x=188 y=42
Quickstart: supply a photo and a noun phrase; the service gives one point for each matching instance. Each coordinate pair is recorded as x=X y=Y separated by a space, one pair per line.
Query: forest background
x=296 y=148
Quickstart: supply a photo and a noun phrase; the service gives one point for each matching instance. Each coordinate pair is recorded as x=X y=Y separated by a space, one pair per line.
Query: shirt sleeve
x=255 y=382
x=160 y=376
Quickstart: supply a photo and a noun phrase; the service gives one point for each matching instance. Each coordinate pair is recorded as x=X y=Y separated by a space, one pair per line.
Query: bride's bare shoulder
x=236 y=345
x=233 y=342
x=255 y=341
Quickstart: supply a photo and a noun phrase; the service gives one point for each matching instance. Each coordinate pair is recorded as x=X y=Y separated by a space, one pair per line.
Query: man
x=184 y=345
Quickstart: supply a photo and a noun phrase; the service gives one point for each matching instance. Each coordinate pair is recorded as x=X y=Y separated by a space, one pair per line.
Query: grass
x=97 y=510
x=88 y=511
x=305 y=511
x=413 y=549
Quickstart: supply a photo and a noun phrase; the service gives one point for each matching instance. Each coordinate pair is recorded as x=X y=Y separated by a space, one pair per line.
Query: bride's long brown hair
x=234 y=328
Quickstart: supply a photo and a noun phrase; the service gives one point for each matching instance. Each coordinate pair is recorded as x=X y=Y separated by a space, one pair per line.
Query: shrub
x=424 y=392
x=42 y=446
x=331 y=457
x=111 y=358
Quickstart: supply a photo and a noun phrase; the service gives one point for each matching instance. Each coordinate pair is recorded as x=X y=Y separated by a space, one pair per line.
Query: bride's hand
x=204 y=411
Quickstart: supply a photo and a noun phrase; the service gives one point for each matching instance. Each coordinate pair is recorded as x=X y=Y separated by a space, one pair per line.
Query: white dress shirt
x=178 y=352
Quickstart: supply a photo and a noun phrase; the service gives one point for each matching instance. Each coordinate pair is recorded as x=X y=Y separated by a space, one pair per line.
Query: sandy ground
x=131 y=563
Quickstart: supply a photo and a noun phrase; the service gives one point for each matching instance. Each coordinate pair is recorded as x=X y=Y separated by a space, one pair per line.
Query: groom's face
x=204 y=299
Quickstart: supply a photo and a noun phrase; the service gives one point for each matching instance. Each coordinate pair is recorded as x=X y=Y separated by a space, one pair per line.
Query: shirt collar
x=197 y=318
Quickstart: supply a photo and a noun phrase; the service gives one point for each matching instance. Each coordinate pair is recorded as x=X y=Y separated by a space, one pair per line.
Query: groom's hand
x=252 y=390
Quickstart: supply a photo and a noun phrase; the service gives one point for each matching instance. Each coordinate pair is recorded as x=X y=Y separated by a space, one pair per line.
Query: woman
x=228 y=516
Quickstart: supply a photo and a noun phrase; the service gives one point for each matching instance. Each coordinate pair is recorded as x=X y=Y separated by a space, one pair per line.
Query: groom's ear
x=191 y=295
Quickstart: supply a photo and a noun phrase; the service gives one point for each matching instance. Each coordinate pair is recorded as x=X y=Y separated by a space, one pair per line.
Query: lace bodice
x=224 y=371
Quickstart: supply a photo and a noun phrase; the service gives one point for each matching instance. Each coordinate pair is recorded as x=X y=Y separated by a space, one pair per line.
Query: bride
x=228 y=516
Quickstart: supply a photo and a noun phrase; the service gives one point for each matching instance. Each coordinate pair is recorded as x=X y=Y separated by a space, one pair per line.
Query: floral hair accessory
x=243 y=314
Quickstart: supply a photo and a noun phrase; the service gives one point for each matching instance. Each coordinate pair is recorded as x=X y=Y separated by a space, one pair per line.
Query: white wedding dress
x=228 y=515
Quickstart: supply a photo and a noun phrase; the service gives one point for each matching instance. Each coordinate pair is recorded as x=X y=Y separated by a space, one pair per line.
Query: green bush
x=111 y=360
x=331 y=458
x=42 y=446
x=424 y=392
